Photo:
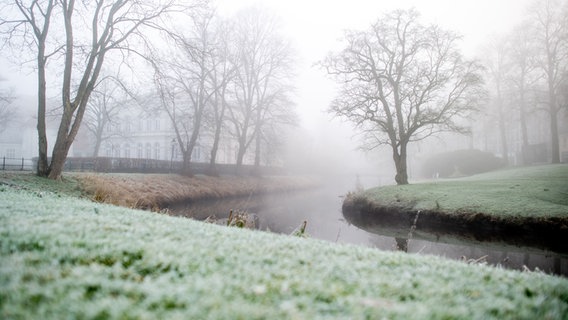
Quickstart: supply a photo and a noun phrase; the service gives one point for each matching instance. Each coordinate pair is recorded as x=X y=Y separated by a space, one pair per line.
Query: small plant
x=481 y=260
x=239 y=219
x=101 y=195
x=301 y=230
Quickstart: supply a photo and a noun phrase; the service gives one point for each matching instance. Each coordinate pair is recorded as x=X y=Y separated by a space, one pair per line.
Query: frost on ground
x=65 y=257
x=524 y=192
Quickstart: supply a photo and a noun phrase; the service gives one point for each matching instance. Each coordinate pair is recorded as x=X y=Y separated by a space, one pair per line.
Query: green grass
x=540 y=191
x=63 y=257
x=68 y=186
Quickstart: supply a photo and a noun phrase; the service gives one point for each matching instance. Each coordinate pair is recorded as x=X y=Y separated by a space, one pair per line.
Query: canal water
x=321 y=209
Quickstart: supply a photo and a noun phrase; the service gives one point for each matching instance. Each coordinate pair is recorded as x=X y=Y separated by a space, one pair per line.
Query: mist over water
x=321 y=208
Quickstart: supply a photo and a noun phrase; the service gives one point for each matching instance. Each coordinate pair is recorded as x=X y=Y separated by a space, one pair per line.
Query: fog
x=307 y=108
x=316 y=28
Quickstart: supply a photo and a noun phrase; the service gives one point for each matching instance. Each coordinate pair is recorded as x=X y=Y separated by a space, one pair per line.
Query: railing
x=128 y=165
x=17 y=164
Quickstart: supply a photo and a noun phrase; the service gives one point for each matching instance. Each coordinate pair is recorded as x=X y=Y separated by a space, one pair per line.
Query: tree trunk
x=213 y=159
x=256 y=169
x=241 y=155
x=399 y=158
x=503 y=132
x=524 y=130
x=57 y=162
x=98 y=141
x=68 y=129
x=523 y=115
x=42 y=162
x=554 y=140
x=186 y=170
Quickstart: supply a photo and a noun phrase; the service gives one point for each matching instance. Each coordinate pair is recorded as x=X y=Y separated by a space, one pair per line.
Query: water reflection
x=321 y=208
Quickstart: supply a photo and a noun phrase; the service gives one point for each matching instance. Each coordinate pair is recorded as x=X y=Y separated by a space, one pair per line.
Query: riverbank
x=158 y=191
x=517 y=206
x=64 y=257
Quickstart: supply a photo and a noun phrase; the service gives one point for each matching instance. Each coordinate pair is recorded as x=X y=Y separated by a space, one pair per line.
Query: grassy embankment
x=540 y=191
x=525 y=207
x=64 y=257
x=155 y=191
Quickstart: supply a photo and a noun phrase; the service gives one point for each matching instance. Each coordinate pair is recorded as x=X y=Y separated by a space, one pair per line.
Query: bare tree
x=402 y=81
x=523 y=77
x=29 y=29
x=113 y=25
x=7 y=110
x=187 y=81
x=265 y=59
x=276 y=115
x=107 y=100
x=220 y=77
x=551 y=23
x=192 y=75
x=499 y=65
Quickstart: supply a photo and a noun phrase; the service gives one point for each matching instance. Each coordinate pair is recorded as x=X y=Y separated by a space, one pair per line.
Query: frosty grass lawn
x=68 y=258
x=540 y=191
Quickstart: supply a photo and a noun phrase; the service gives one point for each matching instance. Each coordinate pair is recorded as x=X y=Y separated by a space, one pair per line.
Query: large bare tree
x=402 y=81
x=111 y=26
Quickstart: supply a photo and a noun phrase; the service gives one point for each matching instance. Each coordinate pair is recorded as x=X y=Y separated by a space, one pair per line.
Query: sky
x=315 y=27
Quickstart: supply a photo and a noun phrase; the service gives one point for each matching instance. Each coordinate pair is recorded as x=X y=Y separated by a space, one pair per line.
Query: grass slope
x=540 y=191
x=62 y=257
x=154 y=191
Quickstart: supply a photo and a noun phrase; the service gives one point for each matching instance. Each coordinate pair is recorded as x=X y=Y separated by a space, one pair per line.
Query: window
x=157 y=124
x=127 y=150
x=116 y=151
x=157 y=151
x=197 y=154
x=127 y=126
x=148 y=151
x=139 y=151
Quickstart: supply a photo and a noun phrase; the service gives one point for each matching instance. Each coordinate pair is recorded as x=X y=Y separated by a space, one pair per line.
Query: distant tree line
x=226 y=78
x=528 y=79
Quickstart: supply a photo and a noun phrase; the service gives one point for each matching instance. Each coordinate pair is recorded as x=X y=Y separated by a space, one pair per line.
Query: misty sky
x=316 y=26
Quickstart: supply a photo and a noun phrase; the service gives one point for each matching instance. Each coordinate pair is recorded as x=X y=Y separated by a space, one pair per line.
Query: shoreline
x=159 y=191
x=519 y=207
x=546 y=234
